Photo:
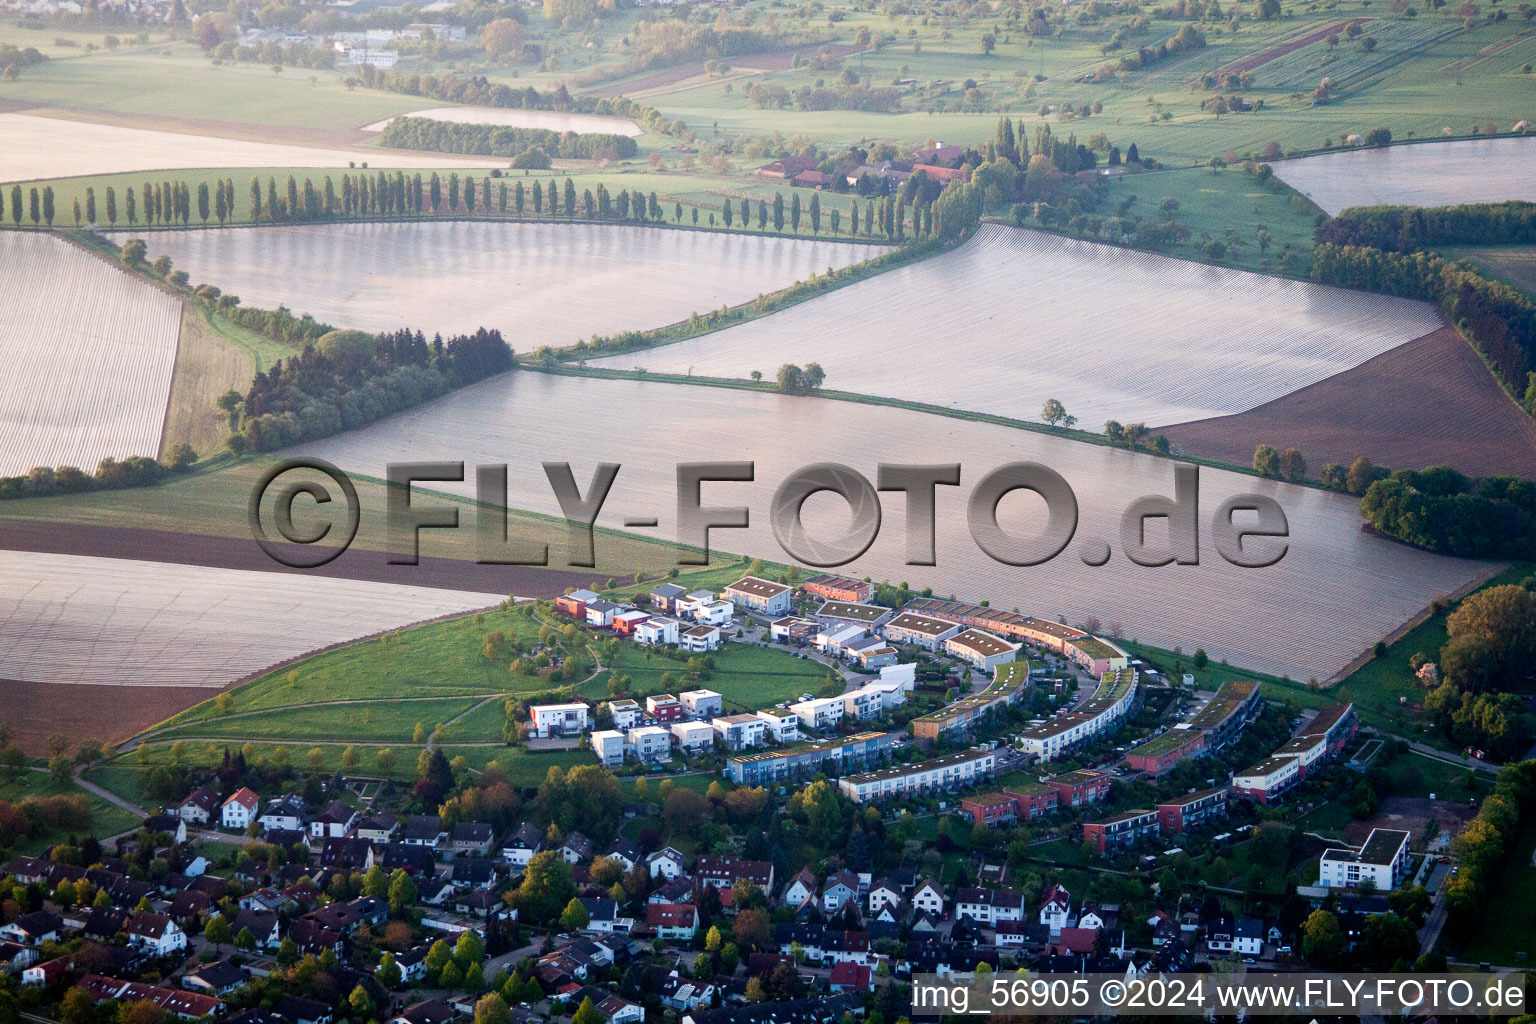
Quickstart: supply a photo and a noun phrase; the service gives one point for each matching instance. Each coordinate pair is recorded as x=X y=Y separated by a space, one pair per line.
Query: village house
x=199 y=806
x=239 y=809
x=672 y=921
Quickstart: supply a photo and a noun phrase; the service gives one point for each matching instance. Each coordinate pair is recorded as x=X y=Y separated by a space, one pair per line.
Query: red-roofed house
x=672 y=920
x=852 y=977
x=239 y=809
x=1073 y=940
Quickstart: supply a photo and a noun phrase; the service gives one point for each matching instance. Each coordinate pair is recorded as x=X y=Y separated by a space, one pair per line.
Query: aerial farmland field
x=1427 y=174
x=89 y=351
x=540 y=284
x=66 y=619
x=975 y=310
x=33 y=147
x=1278 y=620
x=1014 y=318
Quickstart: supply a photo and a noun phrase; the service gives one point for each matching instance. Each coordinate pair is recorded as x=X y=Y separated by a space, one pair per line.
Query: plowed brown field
x=36 y=711
x=1430 y=402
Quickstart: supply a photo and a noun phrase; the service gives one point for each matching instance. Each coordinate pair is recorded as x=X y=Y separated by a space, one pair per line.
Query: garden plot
x=88 y=351
x=1427 y=174
x=1017 y=317
x=108 y=621
x=553 y=120
x=35 y=146
x=1335 y=592
x=540 y=284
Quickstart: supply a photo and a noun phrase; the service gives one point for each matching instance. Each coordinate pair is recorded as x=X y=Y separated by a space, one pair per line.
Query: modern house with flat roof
x=1382 y=862
x=608 y=745
x=1268 y=780
x=1121 y=829
x=783 y=726
x=626 y=713
x=849 y=613
x=559 y=719
x=650 y=743
x=1183 y=813
x=575 y=603
x=802 y=760
x=819 y=712
x=741 y=732
x=951 y=771
x=792 y=629
x=702 y=704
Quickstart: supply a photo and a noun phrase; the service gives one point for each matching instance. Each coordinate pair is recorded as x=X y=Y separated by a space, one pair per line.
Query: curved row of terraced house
x=1212 y=728
x=1112 y=701
x=1315 y=744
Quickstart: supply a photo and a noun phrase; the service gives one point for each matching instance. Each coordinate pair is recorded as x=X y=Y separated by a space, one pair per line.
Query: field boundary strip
x=1258 y=60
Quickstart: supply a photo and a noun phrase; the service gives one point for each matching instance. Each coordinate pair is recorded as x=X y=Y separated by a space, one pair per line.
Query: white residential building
x=862 y=704
x=657 y=630
x=783 y=726
x=702 y=704
x=626 y=713
x=739 y=732
x=239 y=809
x=650 y=743
x=906 y=675
x=608 y=745
x=601 y=613
x=701 y=638
x=819 y=712
x=981 y=650
x=950 y=771
x=1382 y=861
x=928 y=898
x=693 y=737
x=715 y=613
x=559 y=719
x=687 y=606
x=834 y=640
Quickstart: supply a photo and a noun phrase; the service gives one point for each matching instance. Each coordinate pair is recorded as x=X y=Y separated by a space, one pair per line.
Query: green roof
x=1096 y=648
x=1227 y=700
x=1164 y=742
x=1000 y=685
